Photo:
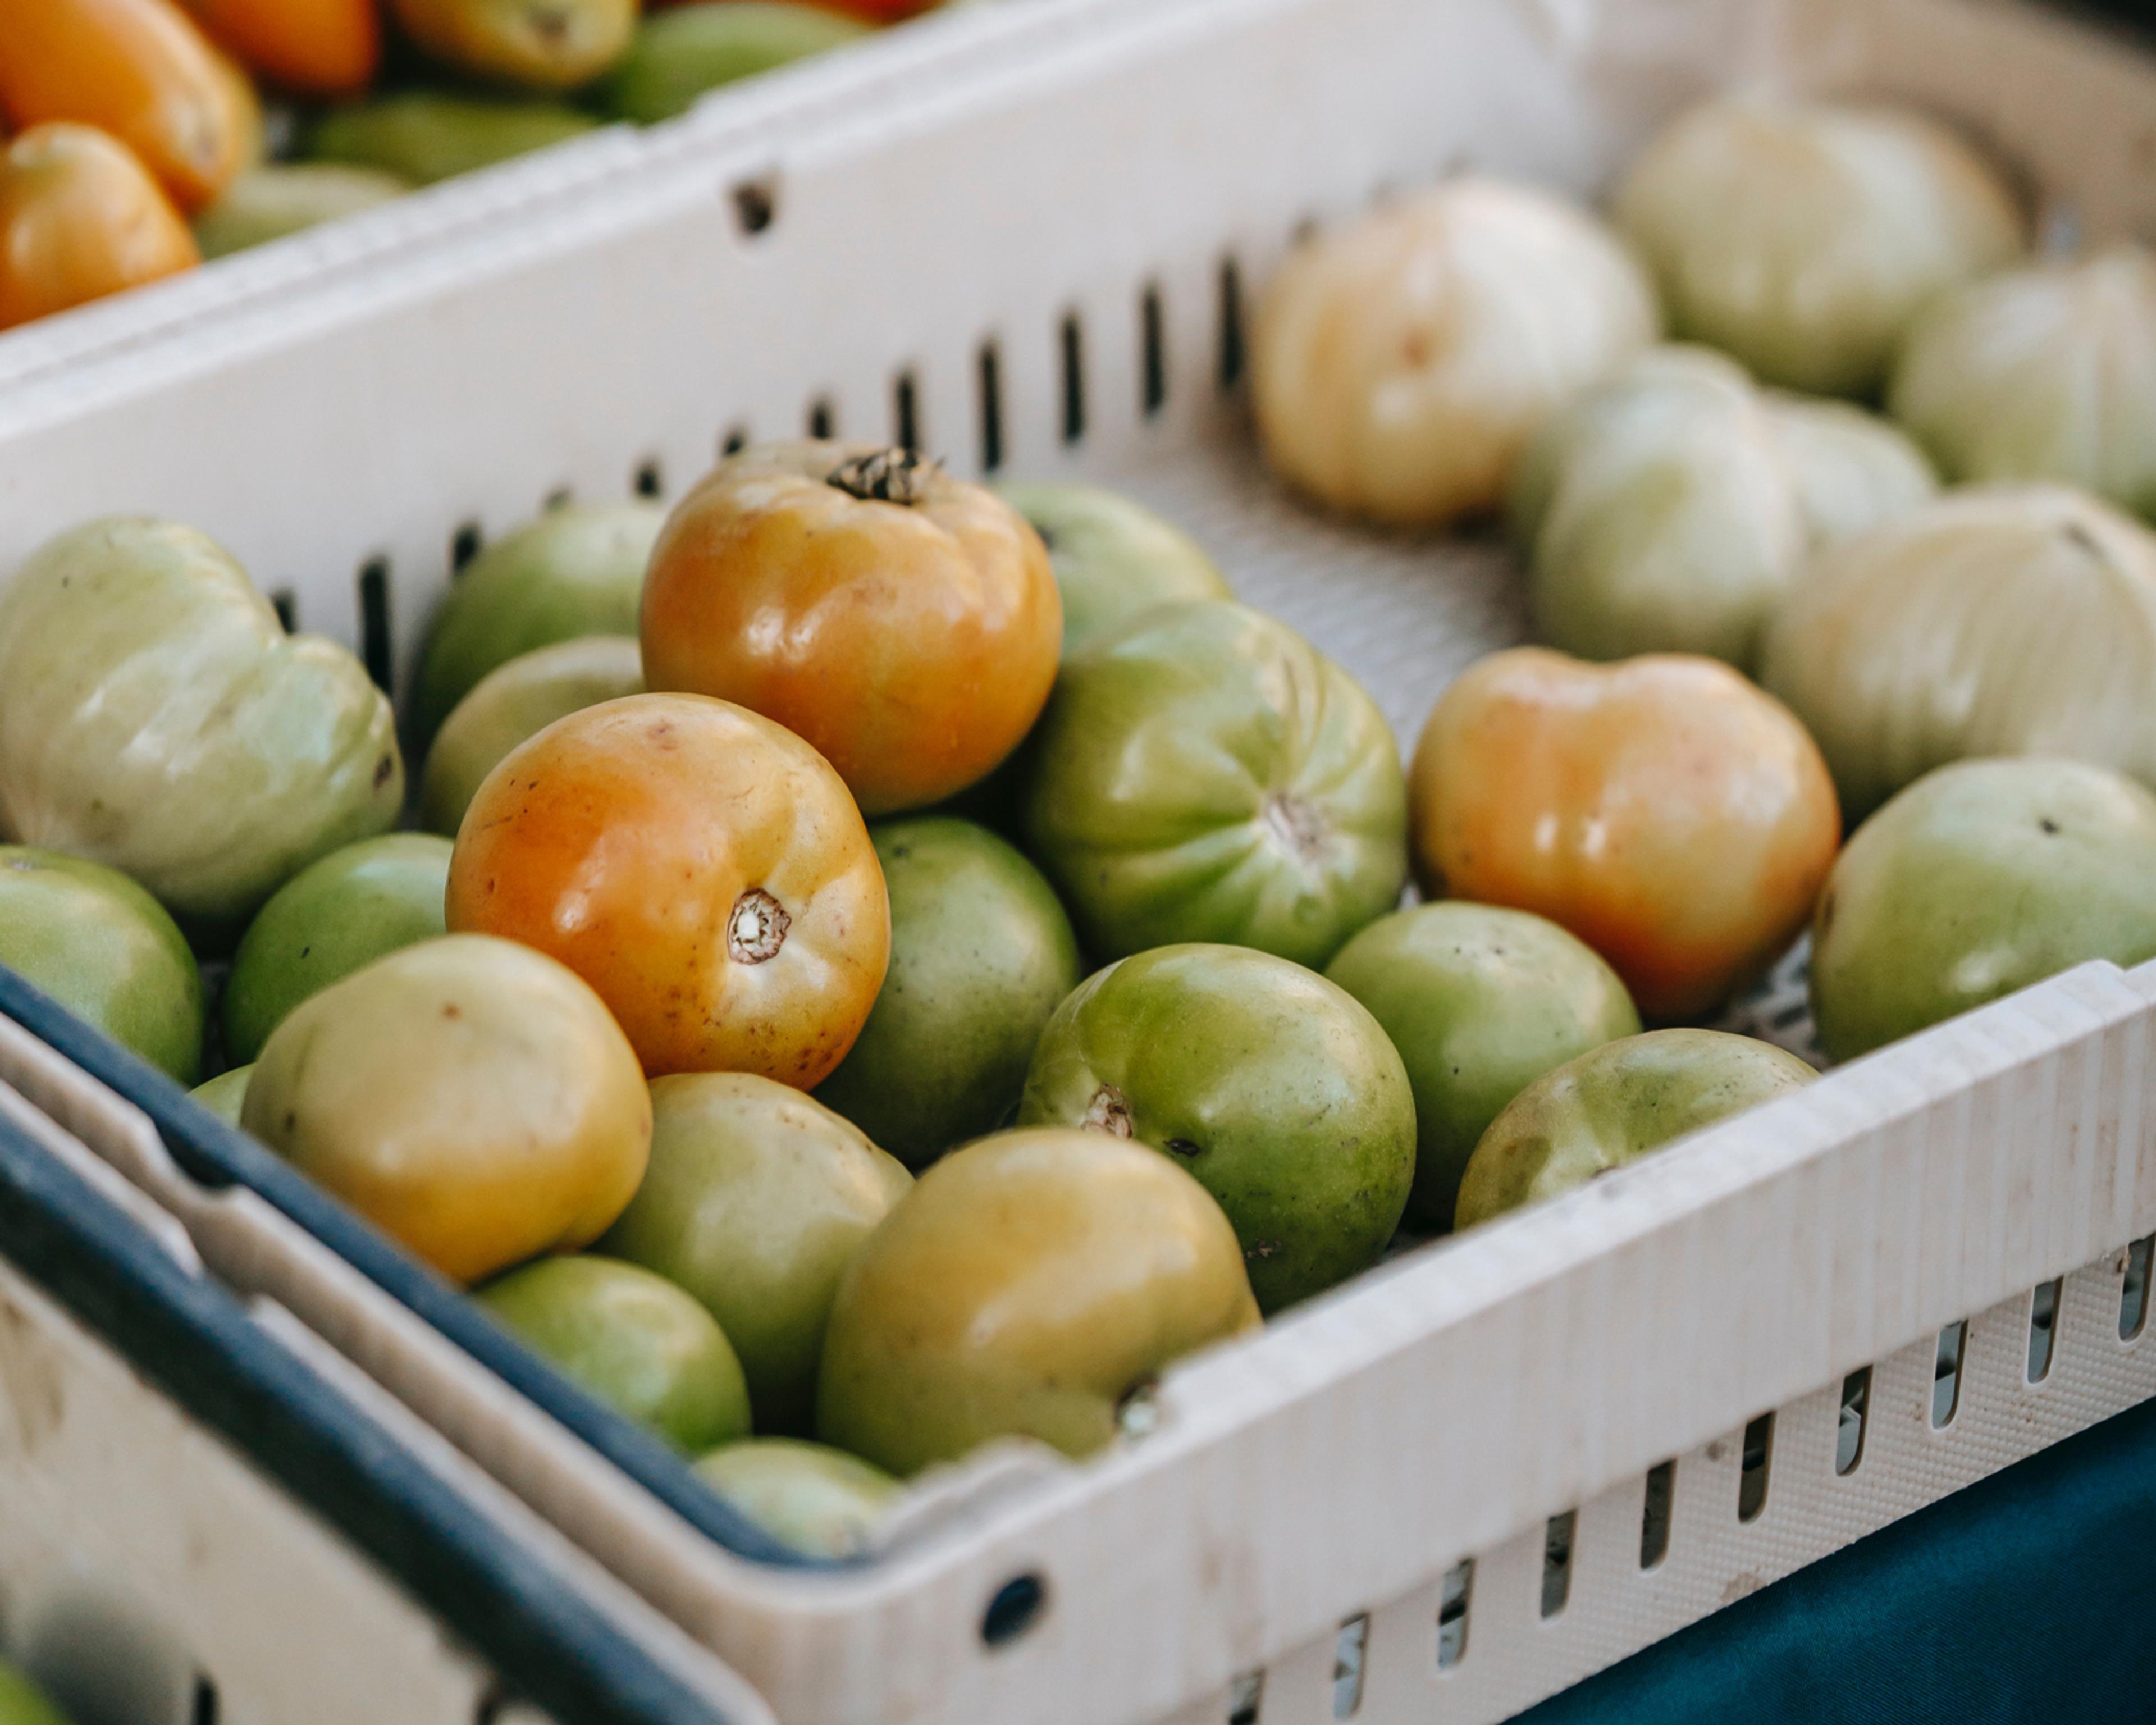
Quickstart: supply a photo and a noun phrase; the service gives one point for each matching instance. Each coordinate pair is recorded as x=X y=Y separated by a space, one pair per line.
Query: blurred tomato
x=137 y=68
x=904 y=622
x=79 y=218
x=317 y=47
x=702 y=869
x=1662 y=809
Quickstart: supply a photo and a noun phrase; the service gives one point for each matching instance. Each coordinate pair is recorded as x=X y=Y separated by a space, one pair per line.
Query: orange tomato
x=701 y=868
x=137 y=68
x=80 y=217
x=247 y=104
x=907 y=622
x=317 y=47
x=1664 y=809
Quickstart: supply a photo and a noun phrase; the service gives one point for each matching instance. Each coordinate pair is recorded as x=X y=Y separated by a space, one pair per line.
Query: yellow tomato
x=536 y=44
x=907 y=622
x=700 y=866
x=1662 y=809
x=469 y=1096
x=137 y=68
x=81 y=218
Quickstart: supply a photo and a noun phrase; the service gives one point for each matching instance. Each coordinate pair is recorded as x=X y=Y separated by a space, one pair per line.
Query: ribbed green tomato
x=335 y=917
x=1267 y=1082
x=105 y=950
x=155 y=716
x=1979 y=878
x=1203 y=774
x=981 y=953
x=634 y=1340
x=22 y=1703
x=1613 y=1106
x=1480 y=1001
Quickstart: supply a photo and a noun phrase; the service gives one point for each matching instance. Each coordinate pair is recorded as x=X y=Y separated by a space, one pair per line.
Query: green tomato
x=818 y=1500
x=981 y=954
x=333 y=917
x=22 y=1703
x=1613 y=1106
x=755 y=1200
x=1026 y=1287
x=1113 y=558
x=1979 y=878
x=424 y=136
x=1480 y=1002
x=1272 y=1085
x=574 y=572
x=225 y=1095
x=281 y=197
x=634 y=1340
x=155 y=716
x=513 y=703
x=677 y=56
x=105 y=950
x=1201 y=774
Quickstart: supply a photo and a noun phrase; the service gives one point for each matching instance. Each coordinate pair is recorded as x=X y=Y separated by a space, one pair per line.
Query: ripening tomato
x=138 y=68
x=317 y=47
x=907 y=622
x=703 y=868
x=81 y=218
x=1664 y=809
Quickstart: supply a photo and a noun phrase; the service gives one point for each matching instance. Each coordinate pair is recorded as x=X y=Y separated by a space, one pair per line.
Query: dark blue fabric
x=2023 y=1600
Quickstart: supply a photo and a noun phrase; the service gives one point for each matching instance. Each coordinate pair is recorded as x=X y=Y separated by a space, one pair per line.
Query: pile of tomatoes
x=140 y=143
x=887 y=964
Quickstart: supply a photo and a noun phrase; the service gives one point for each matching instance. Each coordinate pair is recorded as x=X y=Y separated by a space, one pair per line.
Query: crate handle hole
x=374 y=636
x=1453 y=1595
x=1152 y=319
x=1246 y=1696
x=286 y=604
x=732 y=441
x=560 y=497
x=992 y=407
x=1231 y=325
x=1758 y=1459
x=1015 y=1608
x=2134 y=1290
x=1946 y=1374
x=756 y=204
x=905 y=411
x=1849 y=1428
x=650 y=481
x=2043 y=1329
x=823 y=419
x=1349 y=1649
x=204 y=1707
x=1655 y=1513
x=1074 y=378
x=464 y=546
x=1557 y=1561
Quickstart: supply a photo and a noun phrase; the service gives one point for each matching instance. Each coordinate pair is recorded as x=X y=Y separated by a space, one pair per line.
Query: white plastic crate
x=995 y=256
x=155 y=1571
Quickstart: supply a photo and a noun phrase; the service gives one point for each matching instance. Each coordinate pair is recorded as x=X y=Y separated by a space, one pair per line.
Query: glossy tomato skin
x=80 y=217
x=1204 y=774
x=1613 y=1106
x=913 y=642
x=701 y=867
x=1661 y=809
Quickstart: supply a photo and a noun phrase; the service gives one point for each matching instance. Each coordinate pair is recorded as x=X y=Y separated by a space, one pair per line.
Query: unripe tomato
x=137 y=68
x=1662 y=809
x=905 y=622
x=317 y=47
x=79 y=218
x=701 y=867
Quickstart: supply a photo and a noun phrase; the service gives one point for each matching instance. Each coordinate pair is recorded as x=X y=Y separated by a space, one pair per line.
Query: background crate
x=198 y=1504
x=1043 y=266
